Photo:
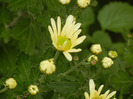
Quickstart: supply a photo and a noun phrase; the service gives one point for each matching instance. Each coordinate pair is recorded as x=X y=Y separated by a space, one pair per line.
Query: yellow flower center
x=63 y=43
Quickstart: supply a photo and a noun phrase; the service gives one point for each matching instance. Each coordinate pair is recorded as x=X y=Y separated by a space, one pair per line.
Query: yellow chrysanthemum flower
x=94 y=94
x=66 y=39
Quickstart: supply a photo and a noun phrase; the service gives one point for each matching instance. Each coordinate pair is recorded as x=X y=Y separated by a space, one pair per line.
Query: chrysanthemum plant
x=51 y=49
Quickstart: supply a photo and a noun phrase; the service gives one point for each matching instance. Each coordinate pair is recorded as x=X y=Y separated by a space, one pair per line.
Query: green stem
x=41 y=79
x=56 y=56
x=3 y=90
x=76 y=66
x=97 y=73
x=70 y=70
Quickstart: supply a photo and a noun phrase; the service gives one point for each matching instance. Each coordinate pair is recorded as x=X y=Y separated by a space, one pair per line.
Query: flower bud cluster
x=81 y=3
x=107 y=62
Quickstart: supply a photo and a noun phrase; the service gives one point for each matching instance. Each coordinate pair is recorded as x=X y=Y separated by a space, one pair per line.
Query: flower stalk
x=3 y=90
x=56 y=56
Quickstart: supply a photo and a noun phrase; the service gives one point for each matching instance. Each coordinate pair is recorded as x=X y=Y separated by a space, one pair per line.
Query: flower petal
x=77 y=26
x=100 y=89
x=92 y=86
x=70 y=30
x=54 y=26
x=68 y=56
x=53 y=37
x=74 y=50
x=67 y=25
x=111 y=94
x=75 y=36
x=105 y=95
x=78 y=41
x=59 y=25
x=86 y=95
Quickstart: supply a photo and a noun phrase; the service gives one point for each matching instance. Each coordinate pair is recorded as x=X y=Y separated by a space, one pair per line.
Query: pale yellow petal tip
x=91 y=81
x=114 y=92
x=86 y=95
x=68 y=56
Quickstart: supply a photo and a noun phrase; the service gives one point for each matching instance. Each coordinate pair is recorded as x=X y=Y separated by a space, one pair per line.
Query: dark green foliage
x=25 y=42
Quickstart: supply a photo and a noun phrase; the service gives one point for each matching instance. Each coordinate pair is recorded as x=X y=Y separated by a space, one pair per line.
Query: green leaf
x=29 y=5
x=5 y=34
x=53 y=5
x=34 y=74
x=5 y=15
x=119 y=80
x=94 y=3
x=8 y=56
x=63 y=87
x=101 y=37
x=87 y=17
x=29 y=36
x=22 y=74
x=116 y=17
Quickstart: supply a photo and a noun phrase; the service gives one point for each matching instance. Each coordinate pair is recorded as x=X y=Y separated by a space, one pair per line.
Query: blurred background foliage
x=25 y=41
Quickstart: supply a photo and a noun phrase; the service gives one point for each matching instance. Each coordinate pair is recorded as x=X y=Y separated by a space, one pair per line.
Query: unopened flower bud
x=107 y=62
x=11 y=83
x=76 y=58
x=47 y=66
x=96 y=49
x=112 y=54
x=64 y=1
x=93 y=59
x=33 y=89
x=83 y=3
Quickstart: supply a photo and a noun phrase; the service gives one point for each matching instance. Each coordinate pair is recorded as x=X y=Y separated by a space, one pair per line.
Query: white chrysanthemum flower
x=107 y=62
x=83 y=3
x=66 y=39
x=33 y=89
x=47 y=66
x=96 y=49
x=93 y=59
x=112 y=54
x=11 y=83
x=94 y=94
x=64 y=1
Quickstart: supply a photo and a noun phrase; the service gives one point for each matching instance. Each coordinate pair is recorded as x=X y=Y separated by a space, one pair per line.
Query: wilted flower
x=107 y=62
x=64 y=1
x=47 y=66
x=112 y=54
x=96 y=49
x=94 y=94
x=11 y=83
x=83 y=3
x=33 y=89
x=66 y=39
x=93 y=59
